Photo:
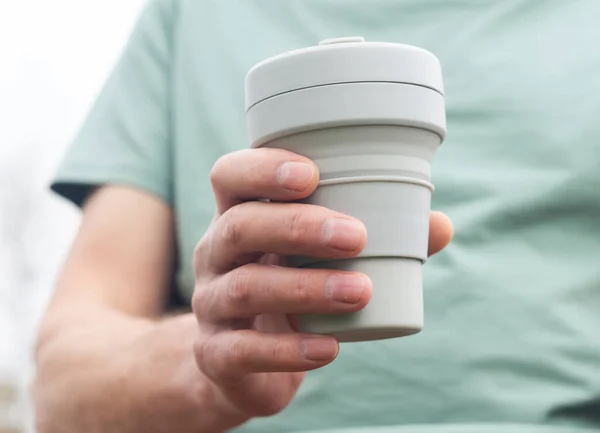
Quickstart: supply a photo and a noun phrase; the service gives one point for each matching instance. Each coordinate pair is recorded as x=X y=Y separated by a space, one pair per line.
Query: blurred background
x=54 y=58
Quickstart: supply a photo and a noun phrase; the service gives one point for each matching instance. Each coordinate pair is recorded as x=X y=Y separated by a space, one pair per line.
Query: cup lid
x=343 y=60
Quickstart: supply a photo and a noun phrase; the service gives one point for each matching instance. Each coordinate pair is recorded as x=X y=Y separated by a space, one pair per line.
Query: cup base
x=395 y=309
x=373 y=334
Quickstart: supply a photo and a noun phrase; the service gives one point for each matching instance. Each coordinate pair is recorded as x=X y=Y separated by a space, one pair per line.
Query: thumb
x=440 y=232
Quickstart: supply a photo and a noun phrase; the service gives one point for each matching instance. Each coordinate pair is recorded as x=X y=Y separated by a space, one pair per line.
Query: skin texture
x=108 y=360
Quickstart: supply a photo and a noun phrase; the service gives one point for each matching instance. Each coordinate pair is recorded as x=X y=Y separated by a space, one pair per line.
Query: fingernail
x=343 y=234
x=295 y=176
x=319 y=348
x=346 y=288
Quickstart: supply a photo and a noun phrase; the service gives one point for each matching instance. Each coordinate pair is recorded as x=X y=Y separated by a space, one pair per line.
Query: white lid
x=343 y=60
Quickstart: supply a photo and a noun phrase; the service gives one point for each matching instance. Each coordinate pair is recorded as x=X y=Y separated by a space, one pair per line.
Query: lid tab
x=345 y=40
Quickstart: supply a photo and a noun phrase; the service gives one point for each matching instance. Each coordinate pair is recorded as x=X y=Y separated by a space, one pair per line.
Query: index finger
x=251 y=174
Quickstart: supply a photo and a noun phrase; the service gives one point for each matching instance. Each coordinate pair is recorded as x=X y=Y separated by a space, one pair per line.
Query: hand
x=246 y=301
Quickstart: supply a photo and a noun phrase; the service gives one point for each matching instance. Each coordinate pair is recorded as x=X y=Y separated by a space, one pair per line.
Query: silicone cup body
x=373 y=143
x=380 y=175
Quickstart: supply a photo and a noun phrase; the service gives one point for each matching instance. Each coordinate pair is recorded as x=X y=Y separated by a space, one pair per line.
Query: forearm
x=112 y=372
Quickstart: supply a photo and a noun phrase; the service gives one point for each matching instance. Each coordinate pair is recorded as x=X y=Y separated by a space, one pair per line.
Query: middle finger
x=281 y=228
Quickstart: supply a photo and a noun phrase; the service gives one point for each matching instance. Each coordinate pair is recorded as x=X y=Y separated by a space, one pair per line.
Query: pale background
x=54 y=58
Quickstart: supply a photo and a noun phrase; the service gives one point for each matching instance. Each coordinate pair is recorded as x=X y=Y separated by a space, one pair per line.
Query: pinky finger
x=229 y=355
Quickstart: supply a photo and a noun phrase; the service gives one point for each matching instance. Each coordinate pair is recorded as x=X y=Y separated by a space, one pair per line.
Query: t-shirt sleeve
x=126 y=138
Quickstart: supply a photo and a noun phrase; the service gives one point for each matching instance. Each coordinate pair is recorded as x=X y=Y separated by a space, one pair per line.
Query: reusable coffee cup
x=371 y=116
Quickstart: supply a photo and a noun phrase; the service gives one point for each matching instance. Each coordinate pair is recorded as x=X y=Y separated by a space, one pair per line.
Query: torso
x=513 y=305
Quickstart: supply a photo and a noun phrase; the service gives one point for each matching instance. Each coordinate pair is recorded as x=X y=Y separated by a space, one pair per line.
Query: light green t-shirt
x=512 y=335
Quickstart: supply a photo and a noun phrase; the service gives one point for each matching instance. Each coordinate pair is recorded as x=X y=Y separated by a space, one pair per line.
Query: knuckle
x=239 y=287
x=200 y=256
x=212 y=355
x=302 y=288
x=204 y=350
x=199 y=249
x=217 y=171
x=238 y=352
x=279 y=350
x=231 y=230
x=199 y=302
x=298 y=226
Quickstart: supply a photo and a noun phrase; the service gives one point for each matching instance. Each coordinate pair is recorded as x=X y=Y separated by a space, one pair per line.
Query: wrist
x=171 y=388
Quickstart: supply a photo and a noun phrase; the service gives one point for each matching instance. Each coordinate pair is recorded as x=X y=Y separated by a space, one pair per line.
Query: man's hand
x=108 y=361
x=246 y=302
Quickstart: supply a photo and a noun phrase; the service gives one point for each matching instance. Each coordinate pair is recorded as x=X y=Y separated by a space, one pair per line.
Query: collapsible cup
x=371 y=116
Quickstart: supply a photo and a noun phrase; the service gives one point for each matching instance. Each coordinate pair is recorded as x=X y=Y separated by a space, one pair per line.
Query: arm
x=106 y=360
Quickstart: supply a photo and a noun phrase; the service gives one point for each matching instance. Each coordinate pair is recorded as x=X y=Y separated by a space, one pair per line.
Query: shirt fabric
x=512 y=308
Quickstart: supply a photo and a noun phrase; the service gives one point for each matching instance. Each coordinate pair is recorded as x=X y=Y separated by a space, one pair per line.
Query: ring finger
x=256 y=289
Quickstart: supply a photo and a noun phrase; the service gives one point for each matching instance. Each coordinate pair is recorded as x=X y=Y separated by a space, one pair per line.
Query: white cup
x=371 y=116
